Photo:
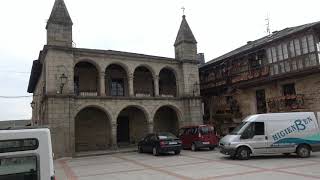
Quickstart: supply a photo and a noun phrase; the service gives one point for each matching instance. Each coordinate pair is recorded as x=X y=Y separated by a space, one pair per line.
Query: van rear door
x=207 y=135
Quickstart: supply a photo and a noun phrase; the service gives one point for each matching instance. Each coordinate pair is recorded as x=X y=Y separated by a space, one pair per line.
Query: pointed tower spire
x=185 y=44
x=59 y=25
x=185 y=34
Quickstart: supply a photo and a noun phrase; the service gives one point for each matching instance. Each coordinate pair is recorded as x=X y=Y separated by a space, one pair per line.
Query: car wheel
x=211 y=148
x=140 y=150
x=177 y=152
x=193 y=147
x=303 y=151
x=243 y=153
x=155 y=151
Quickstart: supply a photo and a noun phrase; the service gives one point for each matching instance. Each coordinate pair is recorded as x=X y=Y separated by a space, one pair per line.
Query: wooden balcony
x=286 y=103
x=252 y=74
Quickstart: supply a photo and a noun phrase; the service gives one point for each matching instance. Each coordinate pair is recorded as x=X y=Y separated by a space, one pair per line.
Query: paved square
x=189 y=165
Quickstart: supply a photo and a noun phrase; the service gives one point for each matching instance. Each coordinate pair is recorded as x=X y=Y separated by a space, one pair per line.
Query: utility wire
x=15 y=97
x=20 y=72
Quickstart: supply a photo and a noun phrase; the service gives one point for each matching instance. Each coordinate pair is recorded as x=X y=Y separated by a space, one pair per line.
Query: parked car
x=196 y=137
x=274 y=133
x=26 y=154
x=160 y=143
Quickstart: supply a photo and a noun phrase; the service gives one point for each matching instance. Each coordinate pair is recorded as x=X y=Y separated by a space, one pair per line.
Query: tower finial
x=183 y=9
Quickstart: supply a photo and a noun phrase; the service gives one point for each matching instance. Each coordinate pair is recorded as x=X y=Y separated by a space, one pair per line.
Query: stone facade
x=92 y=99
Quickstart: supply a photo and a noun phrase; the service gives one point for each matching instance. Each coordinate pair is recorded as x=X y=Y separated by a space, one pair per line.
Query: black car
x=160 y=143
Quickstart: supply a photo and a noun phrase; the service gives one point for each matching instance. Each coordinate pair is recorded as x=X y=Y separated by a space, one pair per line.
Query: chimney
x=200 y=58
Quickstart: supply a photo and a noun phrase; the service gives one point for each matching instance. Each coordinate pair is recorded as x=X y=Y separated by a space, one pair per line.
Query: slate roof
x=34 y=76
x=60 y=14
x=184 y=34
x=263 y=41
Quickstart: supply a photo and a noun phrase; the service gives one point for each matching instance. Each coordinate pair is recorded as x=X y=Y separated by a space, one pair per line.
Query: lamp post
x=63 y=81
x=32 y=104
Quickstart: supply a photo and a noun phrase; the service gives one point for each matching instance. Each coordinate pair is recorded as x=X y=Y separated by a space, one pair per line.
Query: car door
x=255 y=137
x=146 y=143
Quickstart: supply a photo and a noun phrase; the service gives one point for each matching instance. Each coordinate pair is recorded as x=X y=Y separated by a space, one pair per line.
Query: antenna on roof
x=268 y=24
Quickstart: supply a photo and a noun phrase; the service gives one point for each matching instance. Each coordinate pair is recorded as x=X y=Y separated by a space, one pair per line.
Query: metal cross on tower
x=183 y=9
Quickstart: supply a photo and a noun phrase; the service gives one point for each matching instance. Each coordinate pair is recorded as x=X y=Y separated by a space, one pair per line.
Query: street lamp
x=32 y=104
x=195 y=88
x=63 y=81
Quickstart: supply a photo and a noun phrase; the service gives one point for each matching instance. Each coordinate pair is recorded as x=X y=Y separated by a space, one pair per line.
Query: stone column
x=156 y=86
x=150 y=127
x=177 y=90
x=131 y=90
x=102 y=85
x=114 y=135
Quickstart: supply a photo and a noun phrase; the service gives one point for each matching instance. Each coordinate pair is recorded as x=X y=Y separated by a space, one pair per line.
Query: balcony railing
x=251 y=74
x=88 y=94
x=243 y=76
x=286 y=103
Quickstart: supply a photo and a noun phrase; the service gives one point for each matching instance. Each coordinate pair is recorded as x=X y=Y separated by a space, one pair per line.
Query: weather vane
x=183 y=9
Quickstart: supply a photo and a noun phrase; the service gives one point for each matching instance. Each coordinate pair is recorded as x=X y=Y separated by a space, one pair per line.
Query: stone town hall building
x=99 y=99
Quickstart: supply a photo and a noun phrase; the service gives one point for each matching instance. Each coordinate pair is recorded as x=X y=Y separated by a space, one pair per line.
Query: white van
x=26 y=154
x=273 y=133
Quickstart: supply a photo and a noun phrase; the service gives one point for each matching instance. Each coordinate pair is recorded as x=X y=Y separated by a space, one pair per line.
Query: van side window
x=190 y=131
x=259 y=128
x=18 y=145
x=249 y=131
x=195 y=131
x=16 y=168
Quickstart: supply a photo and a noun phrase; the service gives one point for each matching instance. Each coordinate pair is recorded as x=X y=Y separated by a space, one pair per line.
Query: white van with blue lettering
x=274 y=133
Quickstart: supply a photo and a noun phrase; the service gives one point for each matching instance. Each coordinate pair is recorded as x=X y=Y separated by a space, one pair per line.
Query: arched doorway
x=167 y=83
x=116 y=81
x=166 y=119
x=92 y=130
x=86 y=79
x=131 y=126
x=143 y=82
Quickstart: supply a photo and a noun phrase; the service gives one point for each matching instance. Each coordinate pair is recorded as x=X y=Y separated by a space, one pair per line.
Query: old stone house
x=100 y=99
x=277 y=73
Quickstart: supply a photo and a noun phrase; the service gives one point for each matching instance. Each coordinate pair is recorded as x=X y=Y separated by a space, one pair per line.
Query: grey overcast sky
x=140 y=26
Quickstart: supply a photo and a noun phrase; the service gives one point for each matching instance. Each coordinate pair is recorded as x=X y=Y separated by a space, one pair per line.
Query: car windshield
x=166 y=135
x=237 y=130
x=206 y=130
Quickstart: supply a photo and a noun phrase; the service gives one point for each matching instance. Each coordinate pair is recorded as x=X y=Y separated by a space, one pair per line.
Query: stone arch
x=143 y=81
x=86 y=78
x=123 y=65
x=88 y=60
x=174 y=71
x=168 y=86
x=167 y=117
x=93 y=105
x=132 y=124
x=93 y=127
x=148 y=67
x=117 y=79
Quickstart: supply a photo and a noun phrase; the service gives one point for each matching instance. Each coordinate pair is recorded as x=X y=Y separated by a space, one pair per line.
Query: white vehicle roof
x=24 y=133
x=278 y=116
